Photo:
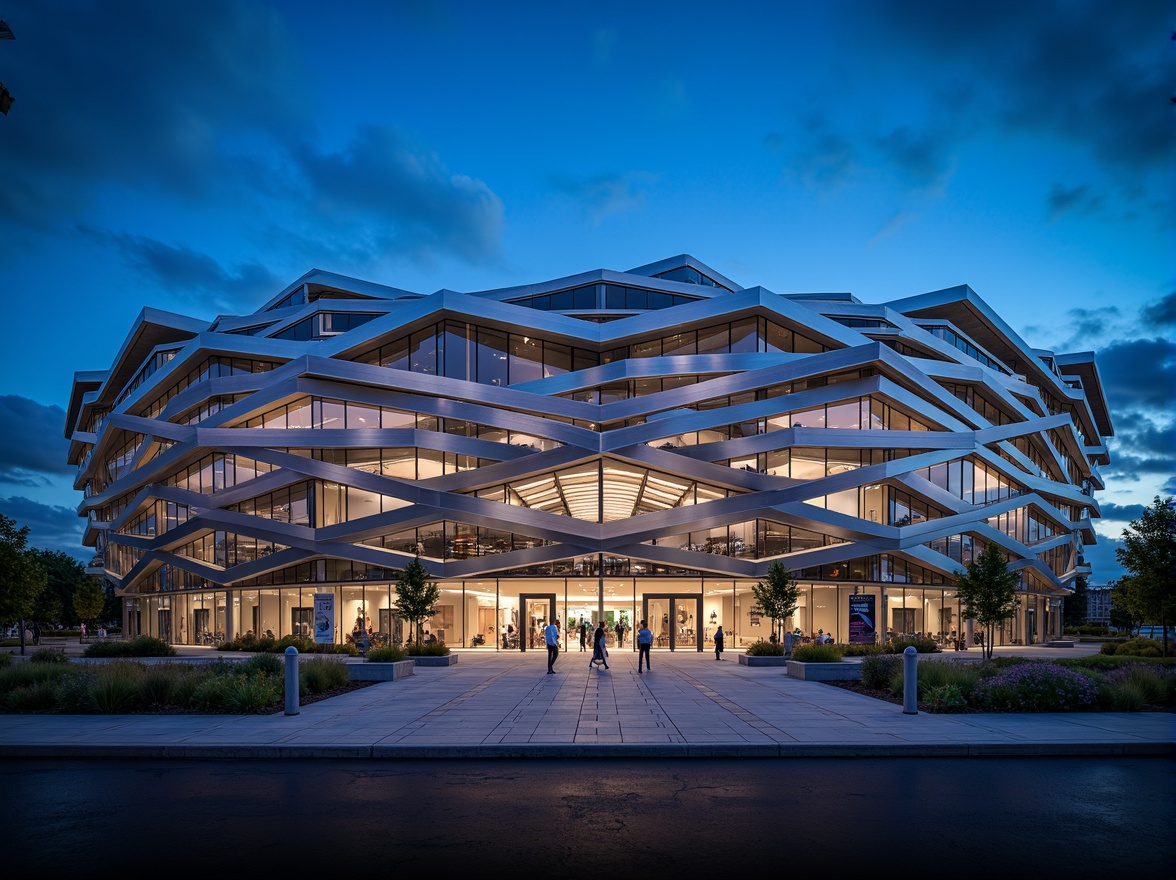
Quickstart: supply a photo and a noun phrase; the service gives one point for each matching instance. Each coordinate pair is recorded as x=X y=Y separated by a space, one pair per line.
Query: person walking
x=583 y=635
x=551 y=634
x=599 y=652
x=644 y=643
x=719 y=643
x=620 y=634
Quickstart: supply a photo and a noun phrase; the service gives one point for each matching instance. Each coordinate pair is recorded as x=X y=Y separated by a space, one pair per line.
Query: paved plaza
x=493 y=704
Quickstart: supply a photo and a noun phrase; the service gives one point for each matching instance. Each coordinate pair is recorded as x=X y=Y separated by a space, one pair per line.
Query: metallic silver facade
x=614 y=423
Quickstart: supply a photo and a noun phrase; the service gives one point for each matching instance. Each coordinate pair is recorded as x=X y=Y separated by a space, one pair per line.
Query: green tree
x=112 y=608
x=1075 y=606
x=21 y=578
x=416 y=596
x=988 y=592
x=88 y=600
x=1125 y=612
x=1149 y=555
x=777 y=596
x=65 y=576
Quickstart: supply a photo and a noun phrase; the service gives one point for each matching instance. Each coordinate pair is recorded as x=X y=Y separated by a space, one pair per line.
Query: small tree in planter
x=988 y=592
x=416 y=596
x=777 y=596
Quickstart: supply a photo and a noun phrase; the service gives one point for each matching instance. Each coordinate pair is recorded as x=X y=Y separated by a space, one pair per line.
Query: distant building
x=1098 y=603
x=607 y=445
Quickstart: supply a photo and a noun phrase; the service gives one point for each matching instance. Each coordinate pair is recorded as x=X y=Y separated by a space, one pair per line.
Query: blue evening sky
x=197 y=158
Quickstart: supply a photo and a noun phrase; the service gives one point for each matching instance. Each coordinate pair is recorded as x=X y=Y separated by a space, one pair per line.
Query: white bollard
x=292 y=681
x=910 y=681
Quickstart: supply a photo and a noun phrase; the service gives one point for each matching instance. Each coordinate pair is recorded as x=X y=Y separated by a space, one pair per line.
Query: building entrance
x=674 y=620
x=538 y=611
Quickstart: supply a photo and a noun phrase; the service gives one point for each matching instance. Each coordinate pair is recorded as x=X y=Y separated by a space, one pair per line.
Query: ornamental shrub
x=321 y=674
x=162 y=685
x=852 y=650
x=922 y=646
x=250 y=694
x=389 y=654
x=1140 y=648
x=1153 y=684
x=263 y=664
x=945 y=698
x=941 y=673
x=878 y=670
x=817 y=653
x=765 y=649
x=37 y=697
x=49 y=655
x=139 y=646
x=419 y=649
x=116 y=690
x=1036 y=687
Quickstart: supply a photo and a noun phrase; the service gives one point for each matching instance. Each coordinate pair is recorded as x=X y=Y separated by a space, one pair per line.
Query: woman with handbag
x=599 y=652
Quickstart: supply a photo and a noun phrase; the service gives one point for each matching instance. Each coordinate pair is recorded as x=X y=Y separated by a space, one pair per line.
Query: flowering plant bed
x=1017 y=685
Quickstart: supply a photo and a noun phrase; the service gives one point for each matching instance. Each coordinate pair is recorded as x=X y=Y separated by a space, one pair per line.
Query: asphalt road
x=892 y=817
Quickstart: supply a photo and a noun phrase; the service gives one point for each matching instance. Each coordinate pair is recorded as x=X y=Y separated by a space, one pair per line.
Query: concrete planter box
x=394 y=671
x=825 y=671
x=763 y=660
x=446 y=660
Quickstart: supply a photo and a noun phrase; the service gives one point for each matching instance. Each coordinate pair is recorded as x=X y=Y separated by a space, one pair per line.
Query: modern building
x=1098 y=603
x=608 y=445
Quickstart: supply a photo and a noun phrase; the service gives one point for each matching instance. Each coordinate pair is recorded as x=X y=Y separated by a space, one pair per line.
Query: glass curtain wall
x=510 y=613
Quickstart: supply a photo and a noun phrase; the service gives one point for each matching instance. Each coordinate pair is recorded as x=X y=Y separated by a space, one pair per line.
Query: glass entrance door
x=674 y=621
x=538 y=611
x=200 y=631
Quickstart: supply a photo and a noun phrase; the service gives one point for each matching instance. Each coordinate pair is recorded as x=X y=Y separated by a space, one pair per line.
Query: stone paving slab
x=504 y=705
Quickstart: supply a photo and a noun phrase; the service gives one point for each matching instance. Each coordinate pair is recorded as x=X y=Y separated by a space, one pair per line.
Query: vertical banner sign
x=324 y=618
x=861 y=620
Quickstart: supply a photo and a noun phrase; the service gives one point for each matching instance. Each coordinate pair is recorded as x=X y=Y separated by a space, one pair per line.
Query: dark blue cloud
x=922 y=157
x=1139 y=375
x=1086 y=71
x=399 y=196
x=177 y=103
x=1161 y=313
x=1078 y=199
x=190 y=276
x=50 y=527
x=1122 y=512
x=605 y=194
x=146 y=95
x=33 y=446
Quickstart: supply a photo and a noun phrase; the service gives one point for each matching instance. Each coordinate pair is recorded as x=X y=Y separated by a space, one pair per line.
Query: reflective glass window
x=745 y=336
x=492 y=357
x=423 y=355
x=459 y=351
x=526 y=359
x=557 y=359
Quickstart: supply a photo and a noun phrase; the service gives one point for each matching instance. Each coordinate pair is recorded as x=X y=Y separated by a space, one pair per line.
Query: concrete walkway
x=500 y=705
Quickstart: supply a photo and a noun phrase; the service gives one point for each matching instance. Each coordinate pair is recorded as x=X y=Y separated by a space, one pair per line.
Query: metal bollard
x=292 y=681
x=910 y=681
